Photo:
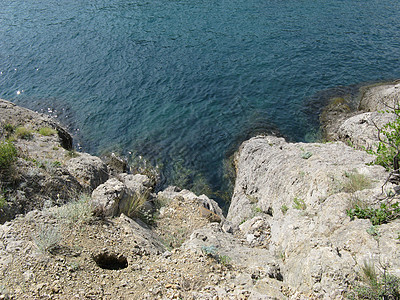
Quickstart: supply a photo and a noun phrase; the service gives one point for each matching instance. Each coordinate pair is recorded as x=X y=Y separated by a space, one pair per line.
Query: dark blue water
x=184 y=79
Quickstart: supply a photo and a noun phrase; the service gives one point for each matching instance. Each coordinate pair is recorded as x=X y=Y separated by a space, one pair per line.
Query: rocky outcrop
x=361 y=131
x=380 y=96
x=303 y=192
x=16 y=116
x=359 y=127
x=89 y=170
x=46 y=171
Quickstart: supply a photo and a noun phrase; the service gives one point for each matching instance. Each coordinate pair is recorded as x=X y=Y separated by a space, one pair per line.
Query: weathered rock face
x=272 y=173
x=89 y=170
x=115 y=196
x=361 y=131
x=380 y=97
x=303 y=191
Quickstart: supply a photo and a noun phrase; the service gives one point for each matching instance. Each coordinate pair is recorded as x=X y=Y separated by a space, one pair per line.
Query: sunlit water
x=184 y=80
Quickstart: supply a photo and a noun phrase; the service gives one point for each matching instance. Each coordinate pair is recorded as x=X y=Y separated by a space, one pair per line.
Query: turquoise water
x=186 y=80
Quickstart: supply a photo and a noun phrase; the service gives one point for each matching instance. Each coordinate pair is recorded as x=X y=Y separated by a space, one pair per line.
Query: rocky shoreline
x=287 y=234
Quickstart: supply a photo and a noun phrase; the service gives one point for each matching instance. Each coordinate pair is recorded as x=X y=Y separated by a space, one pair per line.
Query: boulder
x=89 y=170
x=107 y=196
x=210 y=208
x=115 y=196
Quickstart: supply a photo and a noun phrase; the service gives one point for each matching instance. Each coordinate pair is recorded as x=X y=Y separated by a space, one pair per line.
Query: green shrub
x=72 y=154
x=388 y=150
x=209 y=250
x=306 y=155
x=225 y=260
x=9 y=128
x=212 y=252
x=8 y=154
x=47 y=131
x=385 y=213
x=24 y=133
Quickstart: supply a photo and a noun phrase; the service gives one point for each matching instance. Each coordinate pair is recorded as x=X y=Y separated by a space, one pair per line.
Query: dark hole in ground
x=110 y=261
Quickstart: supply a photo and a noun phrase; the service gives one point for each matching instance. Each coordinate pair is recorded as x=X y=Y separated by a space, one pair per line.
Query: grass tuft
x=47 y=131
x=24 y=133
x=8 y=154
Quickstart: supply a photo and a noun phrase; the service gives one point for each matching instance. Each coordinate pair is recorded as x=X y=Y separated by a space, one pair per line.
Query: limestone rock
x=89 y=170
x=360 y=131
x=212 y=209
x=302 y=192
x=273 y=174
x=379 y=97
x=107 y=196
x=115 y=195
x=115 y=163
x=353 y=125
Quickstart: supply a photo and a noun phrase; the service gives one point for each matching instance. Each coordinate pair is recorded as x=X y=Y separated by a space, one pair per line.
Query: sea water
x=185 y=81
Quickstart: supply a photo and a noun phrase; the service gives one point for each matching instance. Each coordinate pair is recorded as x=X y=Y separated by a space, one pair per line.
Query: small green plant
x=9 y=127
x=282 y=256
x=373 y=230
x=306 y=155
x=24 y=133
x=383 y=214
x=284 y=209
x=374 y=286
x=299 y=204
x=79 y=211
x=47 y=131
x=225 y=260
x=161 y=201
x=252 y=199
x=257 y=210
x=209 y=250
x=356 y=182
x=349 y=143
x=9 y=130
x=212 y=252
x=8 y=154
x=244 y=220
x=48 y=238
x=2 y=201
x=72 y=154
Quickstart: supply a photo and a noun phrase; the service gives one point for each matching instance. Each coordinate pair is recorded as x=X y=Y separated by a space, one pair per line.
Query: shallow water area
x=183 y=80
